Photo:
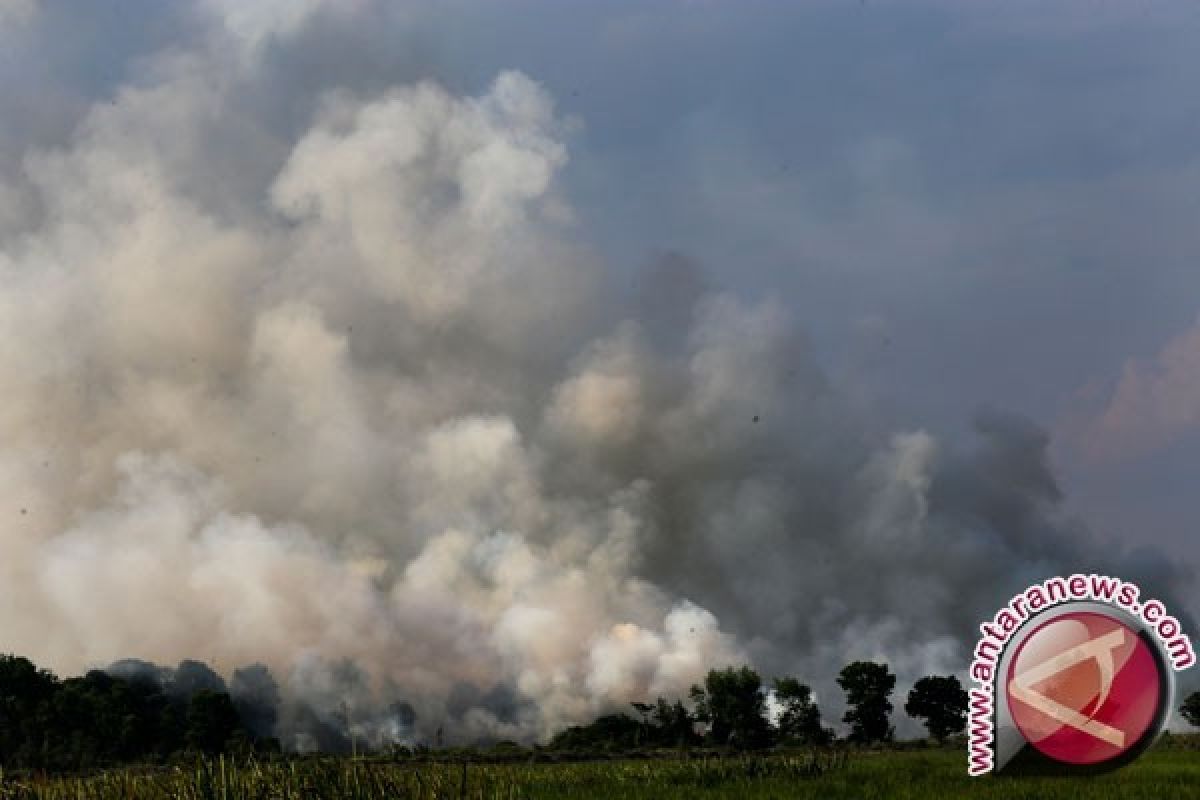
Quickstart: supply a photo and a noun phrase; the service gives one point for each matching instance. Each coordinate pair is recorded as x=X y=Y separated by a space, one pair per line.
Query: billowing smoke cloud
x=349 y=402
x=1154 y=402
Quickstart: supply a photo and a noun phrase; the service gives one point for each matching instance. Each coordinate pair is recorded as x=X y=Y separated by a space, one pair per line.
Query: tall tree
x=942 y=702
x=733 y=704
x=868 y=686
x=799 y=718
x=24 y=689
x=212 y=721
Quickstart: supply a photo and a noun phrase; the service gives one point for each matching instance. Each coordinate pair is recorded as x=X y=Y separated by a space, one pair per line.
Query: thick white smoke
x=349 y=402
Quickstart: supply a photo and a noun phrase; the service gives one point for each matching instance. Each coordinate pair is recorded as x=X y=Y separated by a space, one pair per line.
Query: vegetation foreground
x=1166 y=772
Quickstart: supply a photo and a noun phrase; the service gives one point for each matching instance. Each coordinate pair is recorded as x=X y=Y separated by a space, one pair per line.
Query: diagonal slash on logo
x=1101 y=650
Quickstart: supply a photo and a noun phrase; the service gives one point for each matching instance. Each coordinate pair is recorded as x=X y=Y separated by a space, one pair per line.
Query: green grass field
x=1161 y=774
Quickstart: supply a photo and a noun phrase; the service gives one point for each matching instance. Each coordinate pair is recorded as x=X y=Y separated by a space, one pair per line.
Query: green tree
x=1191 y=709
x=868 y=686
x=607 y=733
x=942 y=702
x=212 y=720
x=799 y=719
x=24 y=690
x=104 y=718
x=733 y=704
x=674 y=725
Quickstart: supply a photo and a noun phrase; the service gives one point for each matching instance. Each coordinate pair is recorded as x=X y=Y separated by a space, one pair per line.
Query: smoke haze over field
x=310 y=360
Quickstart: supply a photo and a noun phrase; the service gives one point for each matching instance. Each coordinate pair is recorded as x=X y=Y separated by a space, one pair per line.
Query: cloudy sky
x=512 y=269
x=968 y=205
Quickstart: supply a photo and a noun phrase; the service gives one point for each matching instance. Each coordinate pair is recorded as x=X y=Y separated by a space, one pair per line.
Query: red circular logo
x=1084 y=688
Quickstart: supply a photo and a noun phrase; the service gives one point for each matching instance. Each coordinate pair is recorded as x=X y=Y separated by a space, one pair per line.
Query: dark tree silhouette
x=102 y=718
x=610 y=732
x=800 y=719
x=941 y=701
x=212 y=721
x=674 y=726
x=256 y=696
x=191 y=677
x=868 y=686
x=1191 y=709
x=24 y=690
x=733 y=704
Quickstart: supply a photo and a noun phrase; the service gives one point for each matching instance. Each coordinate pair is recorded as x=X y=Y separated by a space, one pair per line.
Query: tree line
x=136 y=712
x=733 y=709
x=129 y=714
x=101 y=718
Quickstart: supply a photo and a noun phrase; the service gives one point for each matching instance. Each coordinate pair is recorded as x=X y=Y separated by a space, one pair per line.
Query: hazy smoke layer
x=314 y=376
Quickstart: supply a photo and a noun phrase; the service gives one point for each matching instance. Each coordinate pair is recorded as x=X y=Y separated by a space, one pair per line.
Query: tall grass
x=224 y=779
x=1162 y=774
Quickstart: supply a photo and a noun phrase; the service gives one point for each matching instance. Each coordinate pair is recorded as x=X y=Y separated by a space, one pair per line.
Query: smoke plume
x=316 y=375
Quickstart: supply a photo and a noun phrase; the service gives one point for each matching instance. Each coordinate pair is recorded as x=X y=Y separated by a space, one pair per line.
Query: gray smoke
x=313 y=373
